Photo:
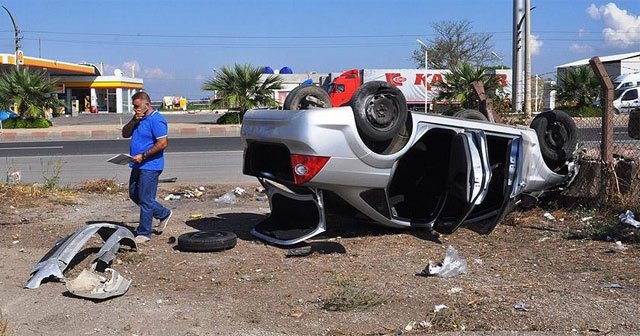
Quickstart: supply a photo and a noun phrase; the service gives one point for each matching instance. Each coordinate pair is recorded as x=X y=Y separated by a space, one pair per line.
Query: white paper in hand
x=121 y=159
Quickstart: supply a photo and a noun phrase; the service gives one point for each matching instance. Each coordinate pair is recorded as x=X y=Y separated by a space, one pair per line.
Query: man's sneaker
x=142 y=239
x=163 y=223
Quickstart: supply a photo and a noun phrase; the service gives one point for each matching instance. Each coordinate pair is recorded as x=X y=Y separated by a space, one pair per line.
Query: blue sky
x=175 y=45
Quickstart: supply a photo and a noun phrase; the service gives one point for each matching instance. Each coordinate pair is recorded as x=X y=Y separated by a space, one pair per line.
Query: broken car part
x=58 y=258
x=91 y=285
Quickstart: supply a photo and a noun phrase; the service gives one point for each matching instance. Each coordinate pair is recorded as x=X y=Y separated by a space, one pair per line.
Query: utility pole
x=426 y=98
x=527 y=60
x=16 y=31
x=515 y=74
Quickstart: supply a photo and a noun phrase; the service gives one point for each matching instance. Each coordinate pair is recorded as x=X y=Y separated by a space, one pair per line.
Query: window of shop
x=106 y=100
x=126 y=100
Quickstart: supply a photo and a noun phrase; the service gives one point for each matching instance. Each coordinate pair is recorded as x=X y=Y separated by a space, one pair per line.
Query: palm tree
x=243 y=87
x=458 y=86
x=578 y=87
x=29 y=91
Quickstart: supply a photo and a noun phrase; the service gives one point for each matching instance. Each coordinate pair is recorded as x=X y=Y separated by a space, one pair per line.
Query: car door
x=467 y=181
x=629 y=100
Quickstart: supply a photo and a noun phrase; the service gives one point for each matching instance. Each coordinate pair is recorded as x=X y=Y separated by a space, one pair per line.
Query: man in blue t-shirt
x=149 y=137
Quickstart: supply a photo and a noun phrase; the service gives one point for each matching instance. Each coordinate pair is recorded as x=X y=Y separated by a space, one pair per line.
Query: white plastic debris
x=586 y=219
x=629 y=218
x=425 y=325
x=520 y=306
x=201 y=188
x=227 y=198
x=238 y=191
x=618 y=246
x=439 y=307
x=454 y=290
x=172 y=197
x=549 y=216
x=14 y=177
x=450 y=266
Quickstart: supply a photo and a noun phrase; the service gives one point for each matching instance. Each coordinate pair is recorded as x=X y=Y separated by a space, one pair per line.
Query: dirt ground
x=359 y=280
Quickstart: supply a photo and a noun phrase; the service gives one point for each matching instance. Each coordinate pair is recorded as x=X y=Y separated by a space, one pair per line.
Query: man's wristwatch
x=144 y=155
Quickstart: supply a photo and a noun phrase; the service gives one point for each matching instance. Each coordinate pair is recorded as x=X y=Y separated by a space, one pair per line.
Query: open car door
x=467 y=180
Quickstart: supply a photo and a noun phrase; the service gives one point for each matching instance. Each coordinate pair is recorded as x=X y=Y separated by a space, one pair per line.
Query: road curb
x=112 y=132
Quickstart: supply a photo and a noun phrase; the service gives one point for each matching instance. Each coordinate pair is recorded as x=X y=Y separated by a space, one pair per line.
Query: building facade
x=83 y=87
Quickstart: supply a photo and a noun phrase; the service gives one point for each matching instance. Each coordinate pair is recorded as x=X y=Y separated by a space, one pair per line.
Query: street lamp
x=16 y=35
x=499 y=58
x=426 y=99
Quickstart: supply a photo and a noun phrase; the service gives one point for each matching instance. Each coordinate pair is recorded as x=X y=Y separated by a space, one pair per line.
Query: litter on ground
x=629 y=218
x=452 y=265
x=228 y=198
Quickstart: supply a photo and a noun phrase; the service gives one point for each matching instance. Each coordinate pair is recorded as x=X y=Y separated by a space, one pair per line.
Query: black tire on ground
x=557 y=134
x=305 y=97
x=634 y=124
x=380 y=110
x=470 y=114
x=206 y=241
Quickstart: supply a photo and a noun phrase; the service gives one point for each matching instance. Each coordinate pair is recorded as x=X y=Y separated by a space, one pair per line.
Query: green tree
x=28 y=90
x=458 y=85
x=455 y=43
x=578 y=87
x=243 y=87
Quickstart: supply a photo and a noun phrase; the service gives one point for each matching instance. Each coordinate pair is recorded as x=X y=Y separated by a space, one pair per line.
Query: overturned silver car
x=400 y=169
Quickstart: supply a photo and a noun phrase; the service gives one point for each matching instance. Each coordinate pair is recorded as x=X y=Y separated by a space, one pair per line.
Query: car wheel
x=557 y=134
x=380 y=110
x=206 y=241
x=633 y=129
x=471 y=114
x=305 y=97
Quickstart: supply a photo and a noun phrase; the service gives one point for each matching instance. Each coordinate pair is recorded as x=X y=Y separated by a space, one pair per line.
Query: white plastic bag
x=228 y=198
x=450 y=266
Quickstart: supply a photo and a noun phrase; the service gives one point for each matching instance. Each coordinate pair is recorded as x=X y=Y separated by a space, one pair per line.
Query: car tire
x=470 y=114
x=557 y=134
x=633 y=129
x=206 y=241
x=305 y=97
x=380 y=110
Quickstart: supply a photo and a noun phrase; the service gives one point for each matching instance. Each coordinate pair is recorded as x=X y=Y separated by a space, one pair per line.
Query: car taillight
x=305 y=167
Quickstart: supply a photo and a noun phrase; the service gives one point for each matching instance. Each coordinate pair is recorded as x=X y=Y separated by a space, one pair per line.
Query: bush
x=26 y=123
x=229 y=118
x=587 y=111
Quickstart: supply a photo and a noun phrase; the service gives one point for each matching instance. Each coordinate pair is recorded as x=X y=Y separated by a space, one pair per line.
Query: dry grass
x=4 y=325
x=100 y=186
x=449 y=319
x=29 y=196
x=348 y=296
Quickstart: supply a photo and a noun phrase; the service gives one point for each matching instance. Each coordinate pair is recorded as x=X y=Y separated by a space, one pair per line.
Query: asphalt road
x=91 y=147
x=191 y=160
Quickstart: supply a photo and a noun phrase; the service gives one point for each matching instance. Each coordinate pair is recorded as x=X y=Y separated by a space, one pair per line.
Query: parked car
x=400 y=169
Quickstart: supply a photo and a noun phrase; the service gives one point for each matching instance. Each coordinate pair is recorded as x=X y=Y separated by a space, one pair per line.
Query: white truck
x=626 y=100
x=626 y=81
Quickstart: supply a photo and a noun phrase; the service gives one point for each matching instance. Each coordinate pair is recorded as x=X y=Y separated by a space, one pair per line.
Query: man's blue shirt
x=150 y=128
